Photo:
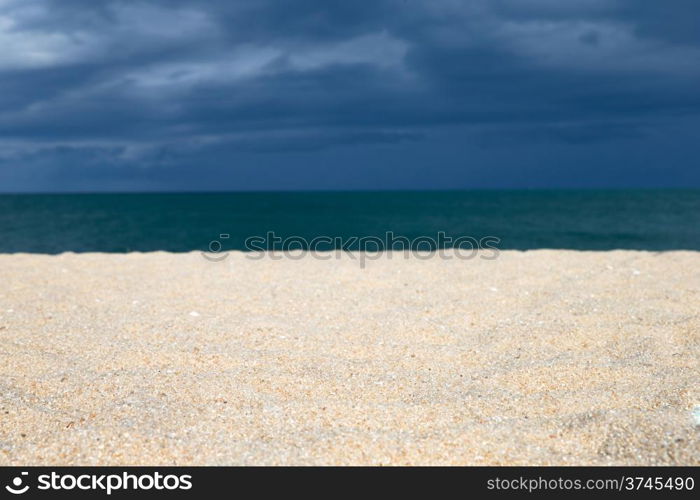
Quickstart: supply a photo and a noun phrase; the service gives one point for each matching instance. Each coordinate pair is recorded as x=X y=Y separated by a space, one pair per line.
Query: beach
x=545 y=357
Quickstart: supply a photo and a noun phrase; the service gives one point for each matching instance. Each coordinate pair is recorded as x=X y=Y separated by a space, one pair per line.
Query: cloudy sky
x=102 y=95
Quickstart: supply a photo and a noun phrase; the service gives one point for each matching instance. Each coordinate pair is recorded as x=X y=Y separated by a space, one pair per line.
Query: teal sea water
x=584 y=220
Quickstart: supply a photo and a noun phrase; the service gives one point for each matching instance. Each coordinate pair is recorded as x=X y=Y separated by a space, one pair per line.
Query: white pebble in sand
x=194 y=314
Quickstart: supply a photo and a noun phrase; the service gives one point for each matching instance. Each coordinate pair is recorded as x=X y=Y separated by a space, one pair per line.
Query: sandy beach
x=539 y=357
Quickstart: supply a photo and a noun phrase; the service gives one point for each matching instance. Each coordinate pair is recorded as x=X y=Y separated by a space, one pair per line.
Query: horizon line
x=343 y=191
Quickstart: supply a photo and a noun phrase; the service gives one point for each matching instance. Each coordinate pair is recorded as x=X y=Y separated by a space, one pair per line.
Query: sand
x=541 y=357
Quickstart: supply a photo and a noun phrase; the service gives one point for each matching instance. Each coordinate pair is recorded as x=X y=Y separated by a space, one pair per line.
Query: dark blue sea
x=584 y=220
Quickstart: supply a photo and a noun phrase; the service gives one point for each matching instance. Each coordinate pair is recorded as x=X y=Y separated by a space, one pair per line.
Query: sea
x=653 y=220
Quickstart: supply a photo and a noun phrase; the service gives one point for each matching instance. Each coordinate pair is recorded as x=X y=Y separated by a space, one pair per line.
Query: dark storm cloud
x=166 y=94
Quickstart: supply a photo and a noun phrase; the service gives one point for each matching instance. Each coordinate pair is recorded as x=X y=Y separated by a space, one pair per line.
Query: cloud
x=251 y=61
x=150 y=83
x=602 y=47
x=33 y=37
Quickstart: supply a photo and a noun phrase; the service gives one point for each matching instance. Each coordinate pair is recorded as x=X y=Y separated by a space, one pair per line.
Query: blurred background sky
x=177 y=95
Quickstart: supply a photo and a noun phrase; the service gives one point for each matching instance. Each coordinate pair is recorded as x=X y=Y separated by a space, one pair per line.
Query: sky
x=184 y=95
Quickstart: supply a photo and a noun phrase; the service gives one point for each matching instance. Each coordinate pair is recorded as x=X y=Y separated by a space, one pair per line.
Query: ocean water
x=583 y=220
